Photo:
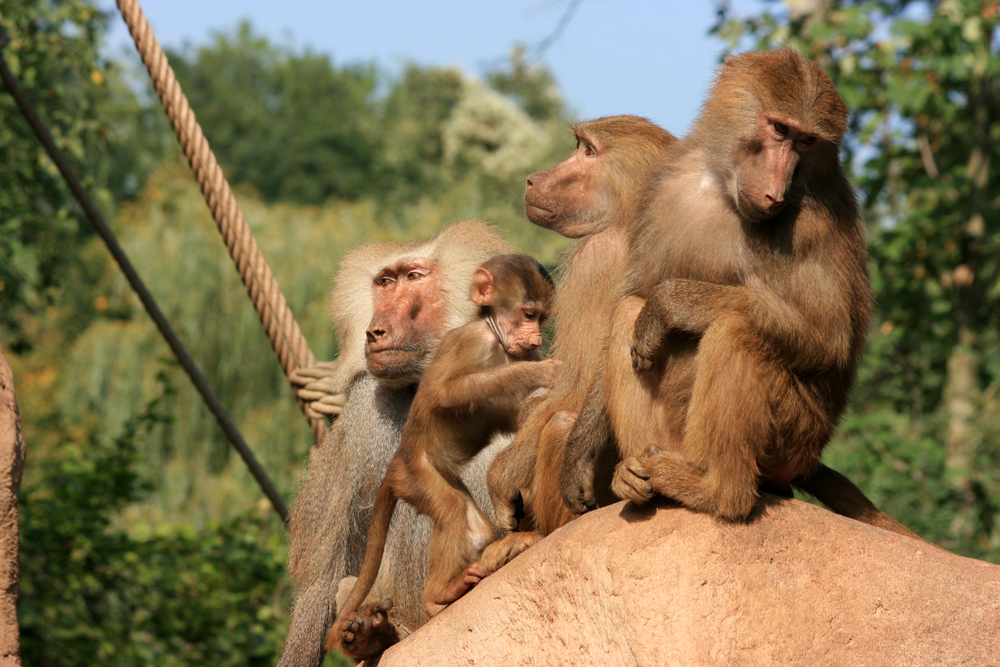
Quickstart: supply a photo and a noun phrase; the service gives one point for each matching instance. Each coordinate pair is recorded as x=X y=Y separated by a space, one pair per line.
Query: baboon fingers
x=309 y=395
x=631 y=481
x=312 y=414
x=504 y=515
x=337 y=400
x=641 y=362
x=325 y=410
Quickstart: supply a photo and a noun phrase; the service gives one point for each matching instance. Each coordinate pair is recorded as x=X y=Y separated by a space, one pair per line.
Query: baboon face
x=409 y=319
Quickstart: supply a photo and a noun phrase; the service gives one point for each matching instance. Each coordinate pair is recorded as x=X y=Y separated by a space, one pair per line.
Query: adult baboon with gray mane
x=391 y=304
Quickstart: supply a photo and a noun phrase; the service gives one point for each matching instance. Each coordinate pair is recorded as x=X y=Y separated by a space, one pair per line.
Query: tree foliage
x=93 y=594
x=300 y=129
x=99 y=123
x=292 y=124
x=53 y=51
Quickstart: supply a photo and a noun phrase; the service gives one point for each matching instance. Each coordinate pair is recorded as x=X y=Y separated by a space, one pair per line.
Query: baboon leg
x=461 y=532
x=729 y=426
x=628 y=396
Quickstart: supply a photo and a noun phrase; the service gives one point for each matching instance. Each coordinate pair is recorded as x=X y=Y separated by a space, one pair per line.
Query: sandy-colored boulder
x=11 y=465
x=661 y=585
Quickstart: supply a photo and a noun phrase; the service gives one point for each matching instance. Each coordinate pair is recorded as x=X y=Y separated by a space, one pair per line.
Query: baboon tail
x=378 y=531
x=842 y=496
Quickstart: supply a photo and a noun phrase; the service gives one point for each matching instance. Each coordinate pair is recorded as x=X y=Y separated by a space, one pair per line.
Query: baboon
x=391 y=304
x=592 y=196
x=748 y=288
x=472 y=389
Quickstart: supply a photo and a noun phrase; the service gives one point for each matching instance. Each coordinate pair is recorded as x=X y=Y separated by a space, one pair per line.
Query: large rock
x=797 y=585
x=11 y=465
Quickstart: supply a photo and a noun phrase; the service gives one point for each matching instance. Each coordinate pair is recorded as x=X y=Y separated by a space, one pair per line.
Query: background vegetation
x=144 y=539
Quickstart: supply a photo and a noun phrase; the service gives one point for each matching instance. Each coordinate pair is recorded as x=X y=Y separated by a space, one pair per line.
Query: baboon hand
x=647 y=338
x=642 y=352
x=314 y=386
x=631 y=481
x=547 y=369
x=576 y=484
x=304 y=375
x=327 y=405
x=641 y=362
x=507 y=499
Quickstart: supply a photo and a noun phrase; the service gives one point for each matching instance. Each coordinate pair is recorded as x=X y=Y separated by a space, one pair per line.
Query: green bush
x=93 y=594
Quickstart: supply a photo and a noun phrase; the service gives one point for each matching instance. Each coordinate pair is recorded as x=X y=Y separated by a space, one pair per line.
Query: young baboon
x=472 y=389
x=409 y=295
x=749 y=293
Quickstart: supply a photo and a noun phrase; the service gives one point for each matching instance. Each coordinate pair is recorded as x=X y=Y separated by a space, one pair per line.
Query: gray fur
x=329 y=523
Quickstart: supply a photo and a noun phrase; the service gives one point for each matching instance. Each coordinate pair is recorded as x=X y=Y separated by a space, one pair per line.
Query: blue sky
x=644 y=57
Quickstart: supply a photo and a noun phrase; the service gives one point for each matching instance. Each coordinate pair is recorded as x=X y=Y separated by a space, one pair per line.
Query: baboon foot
x=370 y=632
x=576 y=484
x=631 y=481
x=456 y=588
x=506 y=549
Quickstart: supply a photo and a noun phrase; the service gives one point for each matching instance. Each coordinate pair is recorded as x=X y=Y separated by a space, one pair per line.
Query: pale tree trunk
x=11 y=465
x=962 y=395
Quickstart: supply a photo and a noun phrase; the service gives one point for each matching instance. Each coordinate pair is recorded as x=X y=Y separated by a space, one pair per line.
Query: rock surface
x=660 y=585
x=11 y=465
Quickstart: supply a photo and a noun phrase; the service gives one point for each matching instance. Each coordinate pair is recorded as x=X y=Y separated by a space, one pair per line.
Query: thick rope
x=282 y=329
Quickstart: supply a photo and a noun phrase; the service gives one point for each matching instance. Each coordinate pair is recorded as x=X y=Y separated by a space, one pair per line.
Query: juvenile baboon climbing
x=391 y=304
x=472 y=390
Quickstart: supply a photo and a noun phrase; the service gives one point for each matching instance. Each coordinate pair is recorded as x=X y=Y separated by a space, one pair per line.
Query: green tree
x=413 y=116
x=922 y=80
x=53 y=52
x=532 y=86
x=96 y=119
x=92 y=594
x=292 y=125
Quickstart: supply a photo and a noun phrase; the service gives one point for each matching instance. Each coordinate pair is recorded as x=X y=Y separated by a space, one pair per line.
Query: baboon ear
x=482 y=288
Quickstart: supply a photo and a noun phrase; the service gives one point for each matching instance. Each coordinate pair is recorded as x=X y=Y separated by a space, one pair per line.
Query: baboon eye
x=414 y=275
x=808 y=141
x=385 y=280
x=590 y=150
x=780 y=128
x=530 y=314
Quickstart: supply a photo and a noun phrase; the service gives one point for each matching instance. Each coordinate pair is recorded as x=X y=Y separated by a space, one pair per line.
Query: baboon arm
x=503 y=384
x=590 y=432
x=806 y=336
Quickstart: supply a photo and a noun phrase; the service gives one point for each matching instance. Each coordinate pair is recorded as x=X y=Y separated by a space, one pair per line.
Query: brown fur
x=471 y=390
x=750 y=300
x=592 y=197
